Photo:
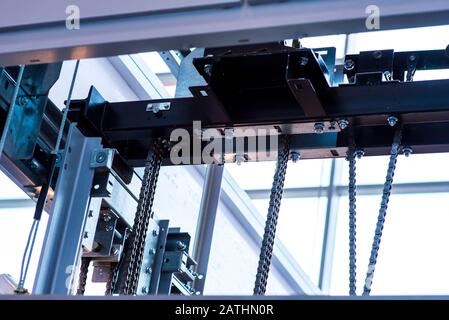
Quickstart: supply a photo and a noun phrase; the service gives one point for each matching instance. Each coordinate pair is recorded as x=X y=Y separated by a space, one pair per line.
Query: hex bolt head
x=412 y=58
x=359 y=153
x=295 y=156
x=181 y=245
x=392 y=120
x=318 y=127
x=239 y=159
x=86 y=234
x=343 y=123
x=349 y=64
x=407 y=151
x=377 y=54
x=208 y=69
x=114 y=251
x=100 y=157
x=332 y=125
x=303 y=61
x=144 y=290
x=155 y=233
x=152 y=251
x=148 y=270
x=23 y=100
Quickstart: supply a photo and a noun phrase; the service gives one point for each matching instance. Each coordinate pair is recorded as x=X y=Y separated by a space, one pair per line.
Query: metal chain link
x=132 y=258
x=383 y=208
x=352 y=222
x=277 y=189
x=84 y=268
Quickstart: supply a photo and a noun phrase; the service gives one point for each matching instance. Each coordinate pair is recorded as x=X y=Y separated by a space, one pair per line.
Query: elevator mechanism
x=367 y=106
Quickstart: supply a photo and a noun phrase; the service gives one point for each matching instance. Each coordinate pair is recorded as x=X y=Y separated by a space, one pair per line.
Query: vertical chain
x=277 y=189
x=84 y=268
x=352 y=222
x=383 y=208
x=130 y=265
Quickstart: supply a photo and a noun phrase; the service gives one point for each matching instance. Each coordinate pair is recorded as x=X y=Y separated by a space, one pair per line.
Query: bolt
x=144 y=290
x=377 y=55
x=22 y=100
x=208 y=69
x=152 y=251
x=343 y=123
x=318 y=127
x=148 y=270
x=181 y=245
x=349 y=64
x=114 y=251
x=100 y=157
x=155 y=233
x=392 y=120
x=295 y=156
x=106 y=218
x=86 y=234
x=303 y=61
x=412 y=58
x=407 y=151
x=239 y=159
x=359 y=153
x=156 y=108
x=109 y=228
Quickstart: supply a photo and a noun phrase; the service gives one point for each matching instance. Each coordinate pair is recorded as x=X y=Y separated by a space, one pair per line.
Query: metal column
x=330 y=227
x=206 y=222
x=65 y=230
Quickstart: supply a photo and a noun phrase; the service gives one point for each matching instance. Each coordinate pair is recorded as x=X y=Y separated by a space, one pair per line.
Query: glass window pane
x=413 y=256
x=428 y=38
x=259 y=175
x=300 y=229
x=416 y=168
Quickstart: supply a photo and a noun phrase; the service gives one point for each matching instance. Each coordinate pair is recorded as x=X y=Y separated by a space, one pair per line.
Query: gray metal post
x=65 y=230
x=206 y=222
x=330 y=228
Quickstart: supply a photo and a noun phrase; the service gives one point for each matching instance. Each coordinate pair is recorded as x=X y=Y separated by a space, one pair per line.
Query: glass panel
x=300 y=229
x=416 y=168
x=413 y=256
x=428 y=38
x=259 y=175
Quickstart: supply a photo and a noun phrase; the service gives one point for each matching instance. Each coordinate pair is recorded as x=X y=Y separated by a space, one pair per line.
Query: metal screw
x=155 y=233
x=208 y=69
x=239 y=159
x=100 y=157
x=318 y=127
x=152 y=251
x=181 y=245
x=106 y=218
x=109 y=228
x=22 y=100
x=148 y=270
x=359 y=153
x=114 y=251
x=407 y=151
x=303 y=61
x=332 y=125
x=295 y=156
x=412 y=58
x=349 y=64
x=377 y=55
x=86 y=234
x=144 y=290
x=392 y=120
x=156 y=108
x=343 y=123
